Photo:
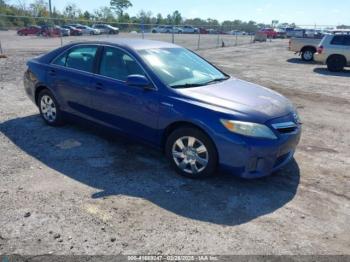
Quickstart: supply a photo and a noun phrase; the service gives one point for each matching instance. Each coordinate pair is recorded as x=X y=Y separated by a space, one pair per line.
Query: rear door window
x=347 y=40
x=338 y=40
x=80 y=58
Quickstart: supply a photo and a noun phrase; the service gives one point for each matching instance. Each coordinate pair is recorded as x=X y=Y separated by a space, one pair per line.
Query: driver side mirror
x=139 y=81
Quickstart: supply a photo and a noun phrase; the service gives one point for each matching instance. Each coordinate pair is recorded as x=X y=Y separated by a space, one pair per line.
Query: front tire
x=191 y=153
x=49 y=108
x=336 y=63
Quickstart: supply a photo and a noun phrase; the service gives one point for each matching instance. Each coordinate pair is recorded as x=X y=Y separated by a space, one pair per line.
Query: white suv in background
x=334 y=51
x=187 y=29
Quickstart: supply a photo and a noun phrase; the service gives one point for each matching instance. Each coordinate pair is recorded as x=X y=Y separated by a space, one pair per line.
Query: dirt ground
x=72 y=190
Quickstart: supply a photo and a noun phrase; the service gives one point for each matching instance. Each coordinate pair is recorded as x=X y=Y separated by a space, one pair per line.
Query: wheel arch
x=182 y=124
x=308 y=47
x=38 y=89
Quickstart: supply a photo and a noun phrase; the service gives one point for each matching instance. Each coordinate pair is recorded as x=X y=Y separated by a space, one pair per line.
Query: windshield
x=180 y=68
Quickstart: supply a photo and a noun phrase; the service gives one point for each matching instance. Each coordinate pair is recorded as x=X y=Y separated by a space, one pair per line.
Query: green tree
x=104 y=13
x=159 y=19
x=119 y=6
x=87 y=15
x=176 y=17
x=71 y=11
x=39 y=8
x=144 y=17
x=343 y=27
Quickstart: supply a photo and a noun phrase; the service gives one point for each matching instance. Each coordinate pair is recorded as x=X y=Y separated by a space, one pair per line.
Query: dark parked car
x=63 y=31
x=29 y=30
x=171 y=98
x=203 y=30
x=50 y=31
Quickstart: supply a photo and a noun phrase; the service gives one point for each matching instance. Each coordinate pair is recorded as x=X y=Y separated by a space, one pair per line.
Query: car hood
x=241 y=97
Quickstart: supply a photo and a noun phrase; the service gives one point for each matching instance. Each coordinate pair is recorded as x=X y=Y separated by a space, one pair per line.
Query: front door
x=132 y=110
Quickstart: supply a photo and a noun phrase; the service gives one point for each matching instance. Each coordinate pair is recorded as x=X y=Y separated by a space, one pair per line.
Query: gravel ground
x=74 y=190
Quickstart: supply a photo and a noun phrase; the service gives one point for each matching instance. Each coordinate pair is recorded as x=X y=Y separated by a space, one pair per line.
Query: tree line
x=38 y=13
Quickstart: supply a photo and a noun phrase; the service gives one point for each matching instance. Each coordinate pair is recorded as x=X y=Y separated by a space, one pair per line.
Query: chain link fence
x=192 y=37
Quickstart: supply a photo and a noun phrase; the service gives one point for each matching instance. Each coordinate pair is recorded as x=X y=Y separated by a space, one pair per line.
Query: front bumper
x=253 y=158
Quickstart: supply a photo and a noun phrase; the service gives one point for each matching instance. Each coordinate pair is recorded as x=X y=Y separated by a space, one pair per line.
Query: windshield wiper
x=187 y=85
x=216 y=80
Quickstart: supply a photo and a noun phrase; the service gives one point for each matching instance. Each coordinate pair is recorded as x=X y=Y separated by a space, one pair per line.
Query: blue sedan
x=171 y=98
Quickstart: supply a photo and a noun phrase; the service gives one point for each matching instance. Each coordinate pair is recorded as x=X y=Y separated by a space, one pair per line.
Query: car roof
x=135 y=44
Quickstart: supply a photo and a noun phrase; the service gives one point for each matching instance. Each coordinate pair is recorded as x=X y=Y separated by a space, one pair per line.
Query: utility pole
x=50 y=8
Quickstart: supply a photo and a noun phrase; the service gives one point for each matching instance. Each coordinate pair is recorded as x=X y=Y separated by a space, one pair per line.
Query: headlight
x=249 y=129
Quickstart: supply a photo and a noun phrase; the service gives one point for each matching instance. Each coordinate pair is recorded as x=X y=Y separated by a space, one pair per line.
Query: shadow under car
x=114 y=166
x=325 y=71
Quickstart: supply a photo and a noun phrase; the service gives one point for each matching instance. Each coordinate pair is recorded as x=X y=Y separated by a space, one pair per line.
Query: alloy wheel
x=190 y=155
x=308 y=55
x=48 y=108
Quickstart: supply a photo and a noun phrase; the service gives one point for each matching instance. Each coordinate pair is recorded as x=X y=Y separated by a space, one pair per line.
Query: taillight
x=320 y=49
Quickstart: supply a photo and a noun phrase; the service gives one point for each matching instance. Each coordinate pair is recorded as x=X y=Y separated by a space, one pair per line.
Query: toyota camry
x=169 y=97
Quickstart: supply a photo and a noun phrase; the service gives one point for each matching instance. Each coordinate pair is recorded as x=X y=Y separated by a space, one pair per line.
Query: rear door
x=70 y=76
x=347 y=48
x=340 y=44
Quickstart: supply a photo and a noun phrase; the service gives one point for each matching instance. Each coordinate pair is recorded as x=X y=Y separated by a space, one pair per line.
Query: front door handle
x=99 y=86
x=52 y=72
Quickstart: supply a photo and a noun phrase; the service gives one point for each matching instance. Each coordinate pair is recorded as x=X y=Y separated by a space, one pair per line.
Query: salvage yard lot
x=72 y=190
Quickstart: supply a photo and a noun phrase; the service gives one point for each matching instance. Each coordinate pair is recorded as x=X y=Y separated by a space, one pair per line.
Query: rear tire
x=336 y=63
x=49 y=108
x=308 y=55
x=191 y=153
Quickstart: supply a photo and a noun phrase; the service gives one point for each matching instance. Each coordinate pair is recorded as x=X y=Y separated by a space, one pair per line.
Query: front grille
x=285 y=128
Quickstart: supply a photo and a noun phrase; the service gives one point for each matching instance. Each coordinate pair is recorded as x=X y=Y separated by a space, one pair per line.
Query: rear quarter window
x=60 y=60
x=347 y=40
x=338 y=40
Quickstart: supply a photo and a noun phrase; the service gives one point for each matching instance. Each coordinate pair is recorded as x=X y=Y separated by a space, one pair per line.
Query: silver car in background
x=334 y=51
x=106 y=29
x=187 y=29
x=64 y=31
x=87 y=30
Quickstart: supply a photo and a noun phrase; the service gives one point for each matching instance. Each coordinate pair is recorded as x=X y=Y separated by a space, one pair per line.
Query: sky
x=302 y=12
